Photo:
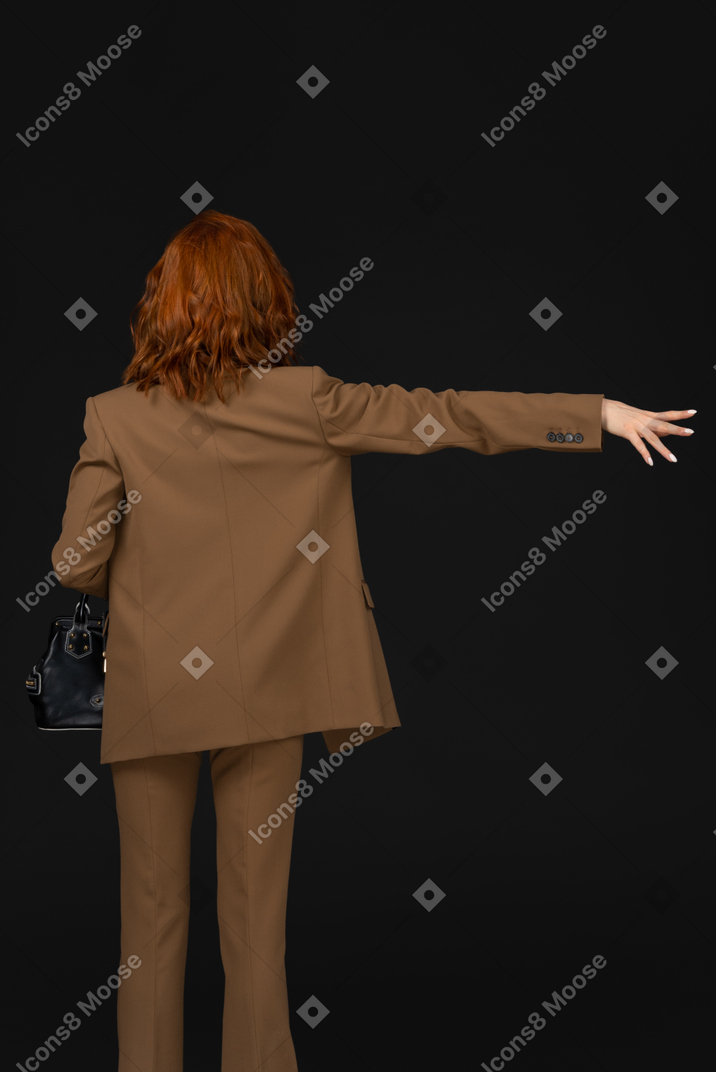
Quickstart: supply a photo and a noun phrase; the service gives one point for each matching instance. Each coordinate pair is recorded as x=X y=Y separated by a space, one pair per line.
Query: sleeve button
x=560 y=437
x=578 y=437
x=551 y=436
x=568 y=438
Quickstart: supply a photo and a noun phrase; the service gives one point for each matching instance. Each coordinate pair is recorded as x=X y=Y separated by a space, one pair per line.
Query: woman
x=240 y=618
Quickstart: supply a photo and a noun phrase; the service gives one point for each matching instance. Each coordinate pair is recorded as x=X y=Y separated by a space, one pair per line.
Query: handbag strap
x=82 y=616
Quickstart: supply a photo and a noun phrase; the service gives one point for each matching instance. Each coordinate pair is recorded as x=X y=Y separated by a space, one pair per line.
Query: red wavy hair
x=216 y=302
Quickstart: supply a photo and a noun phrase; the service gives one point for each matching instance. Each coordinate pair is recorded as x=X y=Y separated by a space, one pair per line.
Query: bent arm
x=359 y=418
x=96 y=489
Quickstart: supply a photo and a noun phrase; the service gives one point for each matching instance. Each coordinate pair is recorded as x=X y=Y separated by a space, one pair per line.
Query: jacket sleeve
x=96 y=490
x=357 y=418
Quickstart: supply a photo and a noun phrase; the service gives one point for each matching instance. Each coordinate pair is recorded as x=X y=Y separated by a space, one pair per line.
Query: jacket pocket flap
x=366 y=594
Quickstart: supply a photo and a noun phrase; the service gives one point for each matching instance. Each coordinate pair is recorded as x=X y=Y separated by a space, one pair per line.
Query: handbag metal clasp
x=78 y=641
x=33 y=683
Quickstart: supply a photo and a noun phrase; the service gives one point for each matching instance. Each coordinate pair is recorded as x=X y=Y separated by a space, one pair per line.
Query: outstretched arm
x=358 y=418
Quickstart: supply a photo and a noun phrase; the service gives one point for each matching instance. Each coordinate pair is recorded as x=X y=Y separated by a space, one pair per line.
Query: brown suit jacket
x=238 y=607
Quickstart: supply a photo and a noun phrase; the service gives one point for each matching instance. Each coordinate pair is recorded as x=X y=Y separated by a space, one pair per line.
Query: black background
x=619 y=859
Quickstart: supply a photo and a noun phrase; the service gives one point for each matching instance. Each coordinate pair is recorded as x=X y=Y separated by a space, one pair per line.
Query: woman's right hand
x=642 y=424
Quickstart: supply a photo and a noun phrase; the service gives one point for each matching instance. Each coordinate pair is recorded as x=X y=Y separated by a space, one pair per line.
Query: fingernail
x=671 y=456
x=691 y=411
x=689 y=431
x=649 y=461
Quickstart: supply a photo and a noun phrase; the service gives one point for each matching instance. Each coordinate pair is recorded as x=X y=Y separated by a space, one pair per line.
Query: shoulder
x=117 y=396
x=119 y=399
x=323 y=381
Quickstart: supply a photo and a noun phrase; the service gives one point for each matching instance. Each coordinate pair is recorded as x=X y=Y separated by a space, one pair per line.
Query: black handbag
x=66 y=686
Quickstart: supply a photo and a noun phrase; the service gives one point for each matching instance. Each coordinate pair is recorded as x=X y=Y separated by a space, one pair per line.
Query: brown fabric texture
x=208 y=568
x=155 y=798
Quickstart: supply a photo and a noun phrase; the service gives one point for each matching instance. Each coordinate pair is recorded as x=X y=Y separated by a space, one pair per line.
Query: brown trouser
x=155 y=805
